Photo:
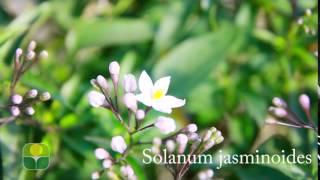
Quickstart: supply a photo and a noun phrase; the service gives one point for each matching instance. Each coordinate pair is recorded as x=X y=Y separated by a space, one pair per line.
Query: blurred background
x=228 y=58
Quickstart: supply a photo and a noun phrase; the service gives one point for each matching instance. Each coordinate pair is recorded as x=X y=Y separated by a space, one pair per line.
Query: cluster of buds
x=109 y=165
x=23 y=105
x=306 y=22
x=187 y=142
x=285 y=116
x=152 y=95
x=206 y=174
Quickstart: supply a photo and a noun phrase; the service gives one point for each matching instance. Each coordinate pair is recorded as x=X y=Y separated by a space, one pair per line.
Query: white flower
x=165 y=125
x=130 y=101
x=101 y=153
x=154 y=95
x=129 y=83
x=118 y=144
x=96 y=99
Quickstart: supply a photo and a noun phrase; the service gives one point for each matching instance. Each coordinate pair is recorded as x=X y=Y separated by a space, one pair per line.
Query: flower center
x=157 y=94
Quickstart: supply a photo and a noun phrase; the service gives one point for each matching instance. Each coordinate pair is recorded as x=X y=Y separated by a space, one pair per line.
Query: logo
x=35 y=156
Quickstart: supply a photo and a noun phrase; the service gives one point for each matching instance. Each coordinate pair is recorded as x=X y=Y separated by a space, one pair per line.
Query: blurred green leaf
x=107 y=33
x=193 y=60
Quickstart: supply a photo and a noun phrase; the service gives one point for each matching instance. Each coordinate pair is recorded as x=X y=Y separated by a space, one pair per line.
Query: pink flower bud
x=279 y=102
x=95 y=175
x=304 y=101
x=118 y=144
x=29 y=111
x=170 y=145
x=157 y=141
x=192 y=128
x=182 y=141
x=96 y=99
x=101 y=153
x=193 y=136
x=140 y=114
x=127 y=171
x=45 y=96
x=129 y=83
x=102 y=82
x=130 y=101
x=16 y=99
x=207 y=135
x=165 y=125
x=44 y=54
x=33 y=93
x=280 y=112
x=107 y=163
x=32 y=46
x=31 y=55
x=15 y=111
x=114 y=69
x=19 y=52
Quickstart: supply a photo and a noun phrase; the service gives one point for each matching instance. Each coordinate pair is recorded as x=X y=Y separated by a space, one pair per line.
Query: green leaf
x=193 y=60
x=100 y=32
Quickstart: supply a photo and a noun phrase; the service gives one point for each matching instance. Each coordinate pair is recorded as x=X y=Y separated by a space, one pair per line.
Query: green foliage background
x=228 y=59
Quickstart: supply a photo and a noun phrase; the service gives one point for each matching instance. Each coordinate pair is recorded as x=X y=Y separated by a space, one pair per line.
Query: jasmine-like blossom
x=96 y=99
x=129 y=83
x=118 y=144
x=279 y=112
x=127 y=171
x=101 y=153
x=165 y=125
x=154 y=95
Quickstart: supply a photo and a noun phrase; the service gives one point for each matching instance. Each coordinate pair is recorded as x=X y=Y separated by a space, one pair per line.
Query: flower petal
x=163 y=84
x=173 y=102
x=144 y=99
x=145 y=83
x=161 y=106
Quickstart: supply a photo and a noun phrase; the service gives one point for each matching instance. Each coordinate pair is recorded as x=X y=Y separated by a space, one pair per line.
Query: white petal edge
x=174 y=102
x=145 y=83
x=163 y=84
x=161 y=106
x=144 y=99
